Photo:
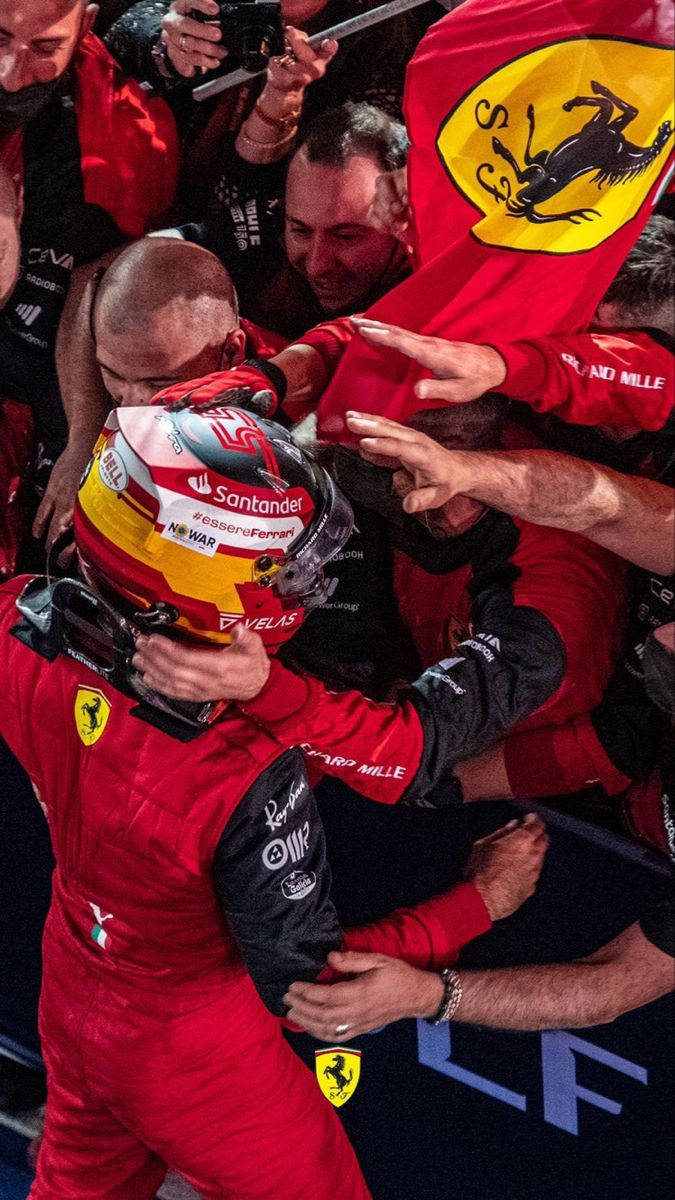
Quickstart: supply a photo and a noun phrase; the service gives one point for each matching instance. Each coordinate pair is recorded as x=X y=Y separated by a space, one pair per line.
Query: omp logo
x=280 y=850
x=28 y=313
x=200 y=484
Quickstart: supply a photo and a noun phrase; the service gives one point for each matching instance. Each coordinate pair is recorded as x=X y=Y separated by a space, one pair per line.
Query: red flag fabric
x=541 y=133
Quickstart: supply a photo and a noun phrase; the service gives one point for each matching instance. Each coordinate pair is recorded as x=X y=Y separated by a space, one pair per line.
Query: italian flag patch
x=99 y=936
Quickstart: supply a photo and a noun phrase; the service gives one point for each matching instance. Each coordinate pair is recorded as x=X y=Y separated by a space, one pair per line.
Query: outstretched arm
x=618 y=378
x=634 y=518
x=626 y=973
x=386 y=751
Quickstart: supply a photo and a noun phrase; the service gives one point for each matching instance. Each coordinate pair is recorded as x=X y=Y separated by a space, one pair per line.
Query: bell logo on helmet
x=112 y=470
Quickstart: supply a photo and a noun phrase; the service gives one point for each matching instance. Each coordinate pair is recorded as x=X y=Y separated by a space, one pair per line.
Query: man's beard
x=18 y=108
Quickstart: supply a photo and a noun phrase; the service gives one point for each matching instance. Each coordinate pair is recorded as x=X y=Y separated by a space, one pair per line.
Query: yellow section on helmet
x=201 y=575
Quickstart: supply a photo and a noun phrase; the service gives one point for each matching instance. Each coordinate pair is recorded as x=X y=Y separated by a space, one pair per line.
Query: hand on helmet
x=235 y=672
x=241 y=387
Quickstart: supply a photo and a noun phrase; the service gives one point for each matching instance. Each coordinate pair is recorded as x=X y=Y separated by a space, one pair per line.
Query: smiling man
x=297 y=236
x=328 y=237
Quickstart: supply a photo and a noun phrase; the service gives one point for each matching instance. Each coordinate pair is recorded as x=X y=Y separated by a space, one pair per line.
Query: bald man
x=10 y=237
x=161 y=312
x=166 y=312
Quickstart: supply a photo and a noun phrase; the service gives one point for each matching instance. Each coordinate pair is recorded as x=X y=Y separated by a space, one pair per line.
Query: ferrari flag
x=541 y=136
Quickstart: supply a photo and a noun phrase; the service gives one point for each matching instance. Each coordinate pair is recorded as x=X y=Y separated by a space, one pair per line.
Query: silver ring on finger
x=342 y=1029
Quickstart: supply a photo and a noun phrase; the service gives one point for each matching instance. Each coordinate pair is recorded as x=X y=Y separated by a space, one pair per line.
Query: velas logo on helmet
x=215 y=513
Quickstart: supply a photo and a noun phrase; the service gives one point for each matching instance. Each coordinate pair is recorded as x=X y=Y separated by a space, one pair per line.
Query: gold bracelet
x=277 y=145
x=286 y=122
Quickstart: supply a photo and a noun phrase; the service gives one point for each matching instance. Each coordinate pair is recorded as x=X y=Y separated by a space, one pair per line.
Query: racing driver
x=191 y=886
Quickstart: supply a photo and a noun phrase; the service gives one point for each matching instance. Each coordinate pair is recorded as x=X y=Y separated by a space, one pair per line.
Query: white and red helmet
x=214 y=514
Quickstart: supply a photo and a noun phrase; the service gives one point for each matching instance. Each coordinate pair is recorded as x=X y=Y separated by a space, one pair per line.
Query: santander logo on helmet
x=214 y=514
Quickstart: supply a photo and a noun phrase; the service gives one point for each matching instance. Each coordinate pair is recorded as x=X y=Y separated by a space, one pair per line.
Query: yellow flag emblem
x=91 y=714
x=338 y=1071
x=559 y=147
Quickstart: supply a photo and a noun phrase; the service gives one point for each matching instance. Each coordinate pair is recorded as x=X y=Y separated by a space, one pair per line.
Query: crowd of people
x=208 y=609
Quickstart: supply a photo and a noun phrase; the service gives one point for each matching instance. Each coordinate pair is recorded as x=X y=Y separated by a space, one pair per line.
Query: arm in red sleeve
x=542 y=650
x=330 y=340
x=429 y=935
x=20 y=670
x=309 y=364
x=558 y=759
x=376 y=748
x=593 y=378
x=459 y=706
x=582 y=590
x=616 y=743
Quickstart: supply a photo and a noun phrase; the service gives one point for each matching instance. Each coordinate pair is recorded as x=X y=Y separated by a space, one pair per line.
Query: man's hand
x=385 y=990
x=426 y=475
x=506 y=866
x=55 y=513
x=462 y=371
x=244 y=386
x=389 y=210
x=192 y=45
x=236 y=672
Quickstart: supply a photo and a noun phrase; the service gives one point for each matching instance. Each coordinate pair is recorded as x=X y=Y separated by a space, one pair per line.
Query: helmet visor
x=302 y=574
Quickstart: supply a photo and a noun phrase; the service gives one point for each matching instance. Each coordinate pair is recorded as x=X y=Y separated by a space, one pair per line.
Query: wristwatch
x=452 y=994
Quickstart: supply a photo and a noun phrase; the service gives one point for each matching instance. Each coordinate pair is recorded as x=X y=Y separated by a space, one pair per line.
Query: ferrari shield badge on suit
x=338 y=1071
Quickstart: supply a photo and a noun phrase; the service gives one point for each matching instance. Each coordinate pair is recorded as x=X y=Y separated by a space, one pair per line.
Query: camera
x=251 y=31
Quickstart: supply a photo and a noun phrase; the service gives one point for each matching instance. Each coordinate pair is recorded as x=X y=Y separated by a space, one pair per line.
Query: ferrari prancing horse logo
x=338 y=1071
x=546 y=176
x=91 y=714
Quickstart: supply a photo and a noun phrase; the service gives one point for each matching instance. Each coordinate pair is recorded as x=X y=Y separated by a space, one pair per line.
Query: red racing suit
x=190 y=882
x=16 y=450
x=524 y=634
